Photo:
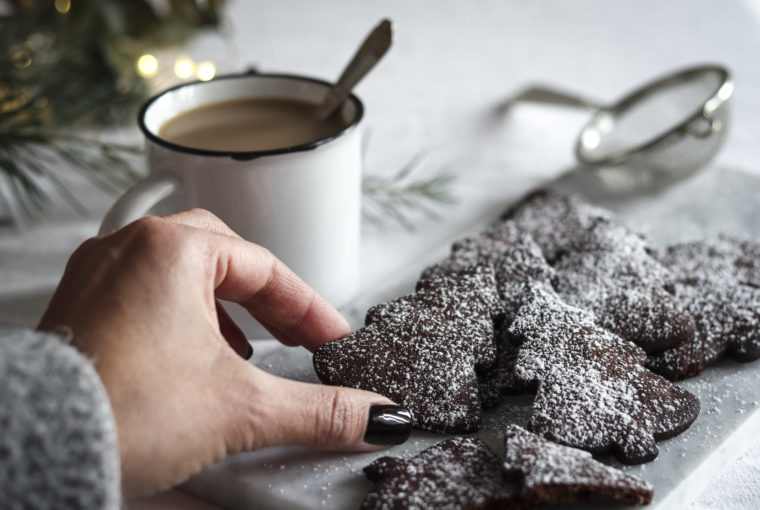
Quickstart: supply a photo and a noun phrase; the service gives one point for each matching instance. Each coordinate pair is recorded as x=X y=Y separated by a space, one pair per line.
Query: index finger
x=252 y=276
x=279 y=304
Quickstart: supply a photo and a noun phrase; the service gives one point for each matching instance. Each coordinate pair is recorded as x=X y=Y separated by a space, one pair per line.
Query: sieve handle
x=549 y=95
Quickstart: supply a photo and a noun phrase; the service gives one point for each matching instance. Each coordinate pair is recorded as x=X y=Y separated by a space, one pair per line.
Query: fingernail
x=250 y=352
x=388 y=424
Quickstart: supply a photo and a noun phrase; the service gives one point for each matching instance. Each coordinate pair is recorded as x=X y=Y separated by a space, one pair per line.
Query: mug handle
x=138 y=200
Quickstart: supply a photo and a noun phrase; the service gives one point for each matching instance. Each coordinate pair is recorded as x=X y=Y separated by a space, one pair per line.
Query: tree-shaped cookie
x=592 y=390
x=422 y=350
x=459 y=473
x=548 y=473
x=727 y=257
x=516 y=260
x=608 y=271
x=554 y=219
x=605 y=268
x=500 y=379
x=514 y=255
x=459 y=297
x=718 y=282
x=464 y=473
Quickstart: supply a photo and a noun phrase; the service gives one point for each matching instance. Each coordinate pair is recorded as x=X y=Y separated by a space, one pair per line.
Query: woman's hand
x=142 y=303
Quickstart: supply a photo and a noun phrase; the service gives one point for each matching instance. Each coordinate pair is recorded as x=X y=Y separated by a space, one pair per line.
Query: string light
x=63 y=6
x=206 y=71
x=147 y=65
x=184 y=68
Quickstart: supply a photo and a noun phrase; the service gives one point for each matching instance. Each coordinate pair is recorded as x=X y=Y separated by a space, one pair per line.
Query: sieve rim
x=705 y=110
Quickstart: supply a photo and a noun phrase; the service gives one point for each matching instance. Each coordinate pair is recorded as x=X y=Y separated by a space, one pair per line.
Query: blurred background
x=440 y=150
x=74 y=72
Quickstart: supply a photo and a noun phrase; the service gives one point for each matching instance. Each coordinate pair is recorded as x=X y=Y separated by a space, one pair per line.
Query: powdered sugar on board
x=729 y=392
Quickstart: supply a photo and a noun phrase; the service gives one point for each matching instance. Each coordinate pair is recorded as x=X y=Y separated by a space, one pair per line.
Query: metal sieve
x=661 y=131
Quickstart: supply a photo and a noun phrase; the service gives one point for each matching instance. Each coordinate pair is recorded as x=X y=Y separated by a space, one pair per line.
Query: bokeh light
x=206 y=71
x=184 y=68
x=63 y=6
x=147 y=65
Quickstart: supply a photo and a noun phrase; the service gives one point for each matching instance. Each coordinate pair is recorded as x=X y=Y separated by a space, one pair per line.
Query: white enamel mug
x=303 y=202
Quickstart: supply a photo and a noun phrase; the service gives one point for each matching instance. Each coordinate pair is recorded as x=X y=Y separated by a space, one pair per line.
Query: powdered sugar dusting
x=605 y=268
x=554 y=219
x=458 y=473
x=724 y=258
x=592 y=389
x=610 y=273
x=464 y=473
x=551 y=474
x=516 y=260
x=422 y=350
x=514 y=256
x=716 y=281
x=467 y=335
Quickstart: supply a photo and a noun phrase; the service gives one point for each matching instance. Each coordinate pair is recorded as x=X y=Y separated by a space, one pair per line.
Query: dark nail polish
x=388 y=424
x=250 y=352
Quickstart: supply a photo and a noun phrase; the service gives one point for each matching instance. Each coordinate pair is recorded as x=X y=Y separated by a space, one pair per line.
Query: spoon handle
x=371 y=50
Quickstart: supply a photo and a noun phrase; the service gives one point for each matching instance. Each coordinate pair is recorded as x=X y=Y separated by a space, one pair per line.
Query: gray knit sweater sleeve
x=58 y=445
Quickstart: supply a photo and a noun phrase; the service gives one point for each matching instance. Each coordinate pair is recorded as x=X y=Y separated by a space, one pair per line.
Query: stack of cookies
x=559 y=300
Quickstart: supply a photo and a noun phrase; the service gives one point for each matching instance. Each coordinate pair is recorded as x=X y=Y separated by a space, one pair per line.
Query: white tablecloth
x=435 y=94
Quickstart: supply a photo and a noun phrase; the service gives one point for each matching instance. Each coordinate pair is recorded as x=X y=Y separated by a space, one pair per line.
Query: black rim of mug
x=247 y=155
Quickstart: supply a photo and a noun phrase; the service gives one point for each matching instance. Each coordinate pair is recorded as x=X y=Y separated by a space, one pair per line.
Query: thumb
x=328 y=417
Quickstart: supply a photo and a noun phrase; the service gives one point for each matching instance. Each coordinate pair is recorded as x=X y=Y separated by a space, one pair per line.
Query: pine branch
x=34 y=169
x=62 y=73
x=401 y=199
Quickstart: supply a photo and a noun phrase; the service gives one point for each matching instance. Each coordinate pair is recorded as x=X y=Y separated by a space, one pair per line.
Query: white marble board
x=717 y=200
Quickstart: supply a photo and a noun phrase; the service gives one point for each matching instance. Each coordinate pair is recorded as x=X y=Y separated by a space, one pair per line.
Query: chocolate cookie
x=592 y=390
x=516 y=260
x=515 y=257
x=549 y=474
x=715 y=282
x=554 y=219
x=605 y=268
x=464 y=473
x=422 y=351
x=727 y=257
x=500 y=379
x=459 y=298
x=459 y=473
x=608 y=271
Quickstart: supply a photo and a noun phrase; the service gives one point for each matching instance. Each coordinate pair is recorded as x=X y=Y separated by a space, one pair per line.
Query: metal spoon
x=365 y=58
